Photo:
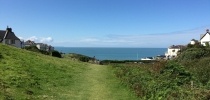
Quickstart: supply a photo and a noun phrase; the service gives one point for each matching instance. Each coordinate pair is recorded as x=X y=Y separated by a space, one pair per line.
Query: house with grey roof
x=42 y=46
x=29 y=43
x=8 y=37
x=194 y=41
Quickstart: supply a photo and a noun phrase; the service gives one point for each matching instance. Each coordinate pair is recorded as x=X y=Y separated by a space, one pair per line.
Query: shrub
x=207 y=44
x=176 y=73
x=32 y=48
x=196 y=45
x=80 y=57
x=196 y=60
x=84 y=59
x=202 y=70
x=44 y=52
x=194 y=53
x=35 y=49
x=56 y=54
x=172 y=82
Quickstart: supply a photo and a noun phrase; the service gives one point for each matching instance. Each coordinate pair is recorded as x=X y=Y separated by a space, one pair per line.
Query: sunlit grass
x=30 y=75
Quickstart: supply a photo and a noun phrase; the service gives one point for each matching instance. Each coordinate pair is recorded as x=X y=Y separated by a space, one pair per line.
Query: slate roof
x=202 y=35
x=193 y=40
x=29 y=42
x=176 y=46
x=2 y=34
x=41 y=44
x=8 y=34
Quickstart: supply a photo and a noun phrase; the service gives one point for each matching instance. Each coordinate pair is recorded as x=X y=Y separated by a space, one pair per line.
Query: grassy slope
x=29 y=75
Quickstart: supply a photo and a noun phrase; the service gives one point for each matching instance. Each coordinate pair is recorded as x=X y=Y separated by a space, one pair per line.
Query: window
x=12 y=41
x=173 y=50
x=7 y=41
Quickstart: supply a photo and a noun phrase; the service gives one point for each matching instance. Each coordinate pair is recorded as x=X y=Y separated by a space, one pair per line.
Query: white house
x=193 y=42
x=29 y=43
x=8 y=37
x=173 y=51
x=205 y=38
x=42 y=46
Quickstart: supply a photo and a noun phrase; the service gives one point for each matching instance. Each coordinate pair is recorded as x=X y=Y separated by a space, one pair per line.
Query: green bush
x=32 y=48
x=196 y=45
x=176 y=73
x=84 y=59
x=56 y=54
x=35 y=49
x=44 y=52
x=194 y=53
x=197 y=60
x=202 y=70
x=172 y=82
x=79 y=57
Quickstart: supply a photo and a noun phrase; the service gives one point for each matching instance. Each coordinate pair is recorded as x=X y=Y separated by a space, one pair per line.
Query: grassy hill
x=30 y=75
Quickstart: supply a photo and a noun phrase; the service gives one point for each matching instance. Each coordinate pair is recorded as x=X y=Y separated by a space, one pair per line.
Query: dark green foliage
x=56 y=54
x=197 y=60
x=202 y=69
x=150 y=81
x=207 y=44
x=84 y=59
x=196 y=45
x=35 y=49
x=105 y=62
x=44 y=52
x=194 y=53
x=80 y=57
x=176 y=74
x=32 y=48
x=190 y=46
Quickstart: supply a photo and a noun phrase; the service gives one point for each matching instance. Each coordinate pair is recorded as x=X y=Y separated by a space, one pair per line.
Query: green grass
x=30 y=75
x=101 y=84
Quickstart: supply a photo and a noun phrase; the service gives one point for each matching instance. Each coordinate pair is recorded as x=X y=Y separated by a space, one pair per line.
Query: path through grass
x=99 y=83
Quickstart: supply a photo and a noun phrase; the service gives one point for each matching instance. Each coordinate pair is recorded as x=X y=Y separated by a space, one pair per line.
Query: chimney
x=9 y=29
x=207 y=31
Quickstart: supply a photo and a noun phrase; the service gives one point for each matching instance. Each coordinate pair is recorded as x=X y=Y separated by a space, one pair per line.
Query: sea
x=114 y=53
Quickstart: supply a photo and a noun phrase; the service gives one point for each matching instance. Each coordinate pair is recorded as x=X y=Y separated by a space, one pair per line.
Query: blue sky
x=106 y=23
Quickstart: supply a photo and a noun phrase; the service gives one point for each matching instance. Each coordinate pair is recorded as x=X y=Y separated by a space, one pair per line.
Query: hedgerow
x=172 y=81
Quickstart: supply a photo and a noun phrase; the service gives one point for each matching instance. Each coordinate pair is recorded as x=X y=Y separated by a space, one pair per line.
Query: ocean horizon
x=114 y=53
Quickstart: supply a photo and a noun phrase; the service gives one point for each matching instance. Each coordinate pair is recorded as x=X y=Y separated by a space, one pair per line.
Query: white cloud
x=46 y=40
x=33 y=38
x=89 y=40
x=40 y=39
